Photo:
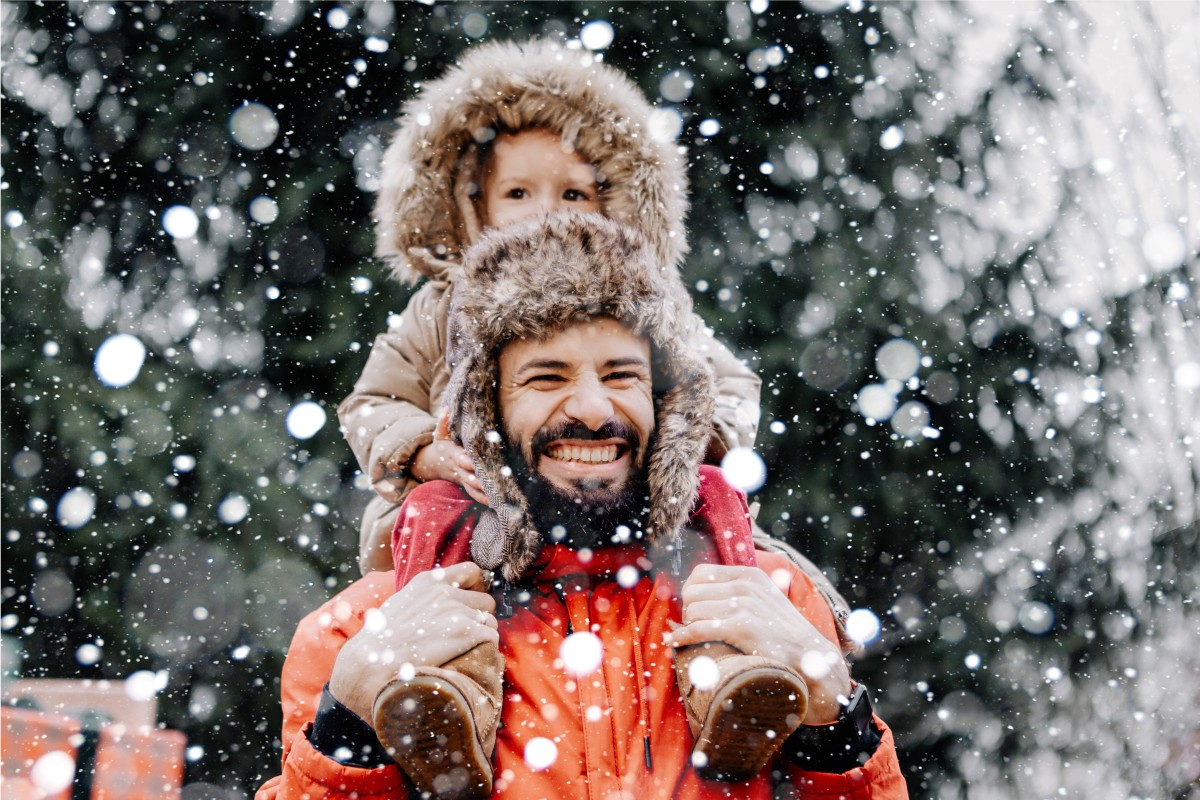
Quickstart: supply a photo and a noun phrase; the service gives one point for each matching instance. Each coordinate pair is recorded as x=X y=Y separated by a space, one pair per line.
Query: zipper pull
x=562 y=596
x=500 y=589
x=649 y=761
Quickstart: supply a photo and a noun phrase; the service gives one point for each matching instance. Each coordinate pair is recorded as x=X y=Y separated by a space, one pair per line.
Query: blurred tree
x=887 y=235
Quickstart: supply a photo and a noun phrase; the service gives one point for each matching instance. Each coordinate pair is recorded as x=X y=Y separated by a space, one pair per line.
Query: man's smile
x=586 y=452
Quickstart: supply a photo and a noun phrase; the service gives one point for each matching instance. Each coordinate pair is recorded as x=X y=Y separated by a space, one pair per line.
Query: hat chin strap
x=487 y=540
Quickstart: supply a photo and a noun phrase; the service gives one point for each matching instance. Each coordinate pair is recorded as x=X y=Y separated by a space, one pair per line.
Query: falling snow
x=957 y=242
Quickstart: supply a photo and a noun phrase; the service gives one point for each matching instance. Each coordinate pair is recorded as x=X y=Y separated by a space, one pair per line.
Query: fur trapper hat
x=424 y=214
x=532 y=279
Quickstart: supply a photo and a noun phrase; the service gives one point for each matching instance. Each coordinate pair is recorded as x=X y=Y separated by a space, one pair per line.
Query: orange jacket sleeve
x=880 y=778
x=307 y=774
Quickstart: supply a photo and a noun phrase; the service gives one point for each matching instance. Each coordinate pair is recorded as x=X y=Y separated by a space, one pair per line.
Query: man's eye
x=544 y=380
x=622 y=377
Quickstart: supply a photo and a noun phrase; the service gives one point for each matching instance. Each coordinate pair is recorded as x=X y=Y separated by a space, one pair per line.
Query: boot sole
x=750 y=717
x=428 y=728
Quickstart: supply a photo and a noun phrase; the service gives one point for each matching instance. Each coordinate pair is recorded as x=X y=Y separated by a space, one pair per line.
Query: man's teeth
x=588 y=455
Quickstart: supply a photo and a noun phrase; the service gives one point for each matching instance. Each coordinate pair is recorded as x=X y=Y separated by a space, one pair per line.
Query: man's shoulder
x=342 y=614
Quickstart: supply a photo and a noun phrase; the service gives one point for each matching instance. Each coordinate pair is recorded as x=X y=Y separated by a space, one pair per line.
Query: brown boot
x=741 y=719
x=440 y=726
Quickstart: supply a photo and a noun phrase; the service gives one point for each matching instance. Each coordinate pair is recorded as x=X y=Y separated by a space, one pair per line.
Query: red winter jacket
x=595 y=724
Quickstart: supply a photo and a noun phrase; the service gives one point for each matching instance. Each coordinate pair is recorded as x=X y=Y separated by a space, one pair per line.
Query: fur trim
x=535 y=278
x=423 y=213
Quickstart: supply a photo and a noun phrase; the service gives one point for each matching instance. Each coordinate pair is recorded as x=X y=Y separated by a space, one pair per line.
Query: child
x=512 y=131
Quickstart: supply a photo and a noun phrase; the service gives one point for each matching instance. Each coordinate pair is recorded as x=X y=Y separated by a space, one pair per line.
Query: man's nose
x=589 y=403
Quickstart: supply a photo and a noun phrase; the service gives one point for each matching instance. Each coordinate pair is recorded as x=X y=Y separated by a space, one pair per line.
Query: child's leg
x=740 y=708
x=440 y=726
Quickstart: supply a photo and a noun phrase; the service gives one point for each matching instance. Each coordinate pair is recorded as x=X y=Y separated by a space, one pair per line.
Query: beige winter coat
x=426 y=216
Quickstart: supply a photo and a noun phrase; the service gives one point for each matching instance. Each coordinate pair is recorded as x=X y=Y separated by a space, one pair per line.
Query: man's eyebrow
x=544 y=363
x=630 y=361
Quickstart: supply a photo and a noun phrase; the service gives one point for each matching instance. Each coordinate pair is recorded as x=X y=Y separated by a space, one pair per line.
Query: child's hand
x=442 y=459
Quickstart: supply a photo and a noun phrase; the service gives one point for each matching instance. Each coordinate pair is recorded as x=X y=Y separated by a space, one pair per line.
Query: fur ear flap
x=518 y=542
x=683 y=424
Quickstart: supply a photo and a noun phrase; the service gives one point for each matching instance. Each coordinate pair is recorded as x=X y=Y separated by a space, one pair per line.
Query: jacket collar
x=559 y=561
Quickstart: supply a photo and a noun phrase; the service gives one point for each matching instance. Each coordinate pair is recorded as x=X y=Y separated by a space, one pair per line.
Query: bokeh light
x=253 y=126
x=540 y=753
x=1164 y=246
x=676 y=86
x=264 y=210
x=53 y=773
x=76 y=507
x=665 y=124
x=876 y=401
x=233 y=509
x=892 y=137
x=862 y=625
x=744 y=469
x=180 y=222
x=119 y=360
x=704 y=673
x=898 y=359
x=144 y=684
x=581 y=653
x=597 y=34
x=627 y=576
x=305 y=419
x=1036 y=617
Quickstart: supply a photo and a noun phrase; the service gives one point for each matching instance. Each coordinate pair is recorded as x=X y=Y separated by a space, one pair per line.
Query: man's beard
x=590 y=513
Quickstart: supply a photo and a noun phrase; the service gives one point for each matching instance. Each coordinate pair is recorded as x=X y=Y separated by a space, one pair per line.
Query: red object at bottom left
x=45 y=756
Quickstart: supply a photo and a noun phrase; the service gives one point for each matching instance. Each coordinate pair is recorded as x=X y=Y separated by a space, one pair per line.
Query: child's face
x=530 y=173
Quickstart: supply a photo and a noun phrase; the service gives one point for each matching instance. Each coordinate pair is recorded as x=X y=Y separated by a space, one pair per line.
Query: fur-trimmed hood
x=532 y=279
x=424 y=216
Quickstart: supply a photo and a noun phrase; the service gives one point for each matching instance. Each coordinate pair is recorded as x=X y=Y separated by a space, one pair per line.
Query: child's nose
x=552 y=203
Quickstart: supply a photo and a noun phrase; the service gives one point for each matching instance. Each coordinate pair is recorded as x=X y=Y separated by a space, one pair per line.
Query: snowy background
x=960 y=242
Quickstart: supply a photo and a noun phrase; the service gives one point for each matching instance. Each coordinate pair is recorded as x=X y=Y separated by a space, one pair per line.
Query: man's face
x=578 y=409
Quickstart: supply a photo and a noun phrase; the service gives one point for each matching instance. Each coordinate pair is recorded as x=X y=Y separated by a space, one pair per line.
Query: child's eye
x=576 y=195
x=515 y=194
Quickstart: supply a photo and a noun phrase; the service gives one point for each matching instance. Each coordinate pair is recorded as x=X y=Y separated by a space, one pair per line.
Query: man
x=587 y=419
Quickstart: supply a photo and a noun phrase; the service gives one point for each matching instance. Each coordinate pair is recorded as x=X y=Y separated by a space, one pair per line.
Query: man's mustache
x=577 y=430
